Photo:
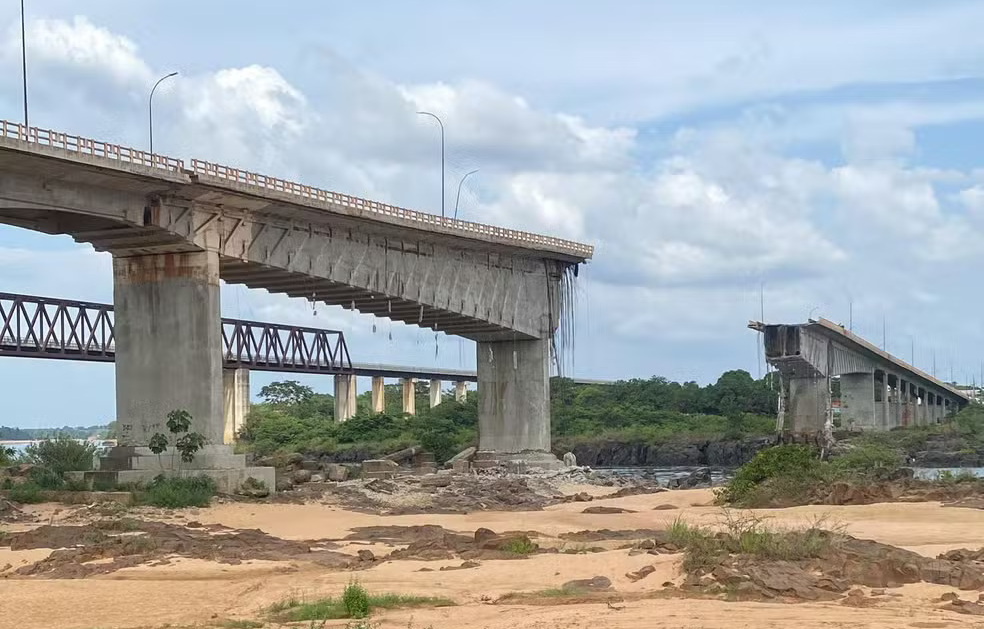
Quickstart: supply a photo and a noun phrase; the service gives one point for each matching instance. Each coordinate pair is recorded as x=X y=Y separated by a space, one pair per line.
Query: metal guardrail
x=85 y=146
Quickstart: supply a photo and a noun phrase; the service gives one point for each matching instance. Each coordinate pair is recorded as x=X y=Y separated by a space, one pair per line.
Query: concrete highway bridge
x=878 y=391
x=174 y=230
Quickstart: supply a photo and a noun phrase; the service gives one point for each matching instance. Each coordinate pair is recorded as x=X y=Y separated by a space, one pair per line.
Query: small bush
x=178 y=492
x=46 y=478
x=355 y=599
x=520 y=546
x=61 y=455
x=26 y=493
x=681 y=534
x=867 y=458
x=798 y=466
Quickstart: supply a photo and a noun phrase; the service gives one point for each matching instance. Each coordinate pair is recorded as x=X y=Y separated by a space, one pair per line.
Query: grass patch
x=520 y=546
x=355 y=603
x=682 y=534
x=177 y=492
x=241 y=624
x=26 y=493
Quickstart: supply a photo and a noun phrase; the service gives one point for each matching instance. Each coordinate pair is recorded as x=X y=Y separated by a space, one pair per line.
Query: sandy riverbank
x=201 y=593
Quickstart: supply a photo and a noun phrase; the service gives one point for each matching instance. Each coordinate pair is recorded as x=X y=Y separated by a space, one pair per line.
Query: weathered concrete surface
x=808 y=402
x=514 y=396
x=857 y=401
x=235 y=393
x=346 y=397
x=378 y=394
x=435 y=392
x=168 y=344
x=409 y=396
x=460 y=391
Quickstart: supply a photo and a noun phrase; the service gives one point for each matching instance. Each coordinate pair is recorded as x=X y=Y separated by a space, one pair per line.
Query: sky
x=725 y=159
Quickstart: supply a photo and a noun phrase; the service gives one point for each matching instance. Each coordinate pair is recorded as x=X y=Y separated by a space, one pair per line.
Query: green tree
x=287 y=393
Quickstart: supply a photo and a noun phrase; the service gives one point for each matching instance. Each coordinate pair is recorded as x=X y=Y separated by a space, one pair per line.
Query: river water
x=719 y=475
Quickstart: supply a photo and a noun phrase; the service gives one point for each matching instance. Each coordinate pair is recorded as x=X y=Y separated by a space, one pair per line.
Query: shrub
x=61 y=455
x=355 y=599
x=45 y=478
x=177 y=492
x=866 y=458
x=520 y=546
x=797 y=466
x=25 y=493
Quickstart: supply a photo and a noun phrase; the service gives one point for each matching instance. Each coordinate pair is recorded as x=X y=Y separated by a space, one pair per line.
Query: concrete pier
x=168 y=344
x=808 y=402
x=460 y=391
x=409 y=396
x=235 y=394
x=857 y=401
x=435 y=392
x=378 y=394
x=514 y=396
x=345 y=397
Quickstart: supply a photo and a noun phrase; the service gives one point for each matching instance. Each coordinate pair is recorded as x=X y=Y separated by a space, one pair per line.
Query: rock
x=606 y=510
x=665 y=507
x=465 y=565
x=697 y=478
x=570 y=460
x=581 y=497
x=965 y=607
x=746 y=588
x=950 y=596
x=337 y=473
x=878 y=592
x=641 y=573
x=461 y=467
x=727 y=576
x=295 y=458
x=300 y=476
x=483 y=535
x=366 y=555
x=435 y=481
x=317 y=478
x=637 y=490
x=311 y=465
x=594 y=584
x=646 y=544
x=284 y=484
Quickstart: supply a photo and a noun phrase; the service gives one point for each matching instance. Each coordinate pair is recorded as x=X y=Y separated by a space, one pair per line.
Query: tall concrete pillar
x=808 y=402
x=435 y=392
x=345 y=397
x=409 y=396
x=168 y=336
x=514 y=396
x=378 y=394
x=857 y=401
x=906 y=414
x=924 y=415
x=460 y=391
x=235 y=395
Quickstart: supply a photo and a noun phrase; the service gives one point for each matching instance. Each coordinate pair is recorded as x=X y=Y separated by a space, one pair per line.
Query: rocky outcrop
x=673 y=453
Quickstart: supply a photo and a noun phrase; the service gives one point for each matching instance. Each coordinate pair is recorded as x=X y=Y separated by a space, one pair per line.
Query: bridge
x=878 y=391
x=174 y=230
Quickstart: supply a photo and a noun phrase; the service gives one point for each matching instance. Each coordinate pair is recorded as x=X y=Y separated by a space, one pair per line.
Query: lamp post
x=458 y=196
x=434 y=116
x=24 y=63
x=150 y=110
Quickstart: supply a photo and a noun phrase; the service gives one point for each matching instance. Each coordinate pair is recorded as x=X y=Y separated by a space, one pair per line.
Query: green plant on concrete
x=355 y=599
x=61 y=455
x=176 y=492
x=26 y=493
x=186 y=443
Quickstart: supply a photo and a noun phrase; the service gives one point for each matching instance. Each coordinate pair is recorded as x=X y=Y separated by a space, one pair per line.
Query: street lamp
x=458 y=196
x=434 y=116
x=24 y=63
x=150 y=111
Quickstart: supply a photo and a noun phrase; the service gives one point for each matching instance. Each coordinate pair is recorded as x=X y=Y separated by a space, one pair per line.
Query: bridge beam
x=168 y=344
x=514 y=396
x=235 y=393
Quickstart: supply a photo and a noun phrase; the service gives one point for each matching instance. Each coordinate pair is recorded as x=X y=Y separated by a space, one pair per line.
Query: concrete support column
x=857 y=401
x=235 y=394
x=345 y=397
x=378 y=394
x=435 y=392
x=168 y=336
x=409 y=396
x=907 y=414
x=924 y=415
x=808 y=402
x=460 y=391
x=514 y=396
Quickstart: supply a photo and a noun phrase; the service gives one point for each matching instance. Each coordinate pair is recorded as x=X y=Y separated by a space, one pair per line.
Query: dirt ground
x=197 y=589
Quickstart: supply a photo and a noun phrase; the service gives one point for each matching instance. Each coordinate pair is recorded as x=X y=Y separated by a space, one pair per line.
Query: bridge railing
x=86 y=146
x=266 y=182
x=59 y=328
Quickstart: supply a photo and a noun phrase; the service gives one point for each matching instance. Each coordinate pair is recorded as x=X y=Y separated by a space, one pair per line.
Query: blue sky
x=829 y=152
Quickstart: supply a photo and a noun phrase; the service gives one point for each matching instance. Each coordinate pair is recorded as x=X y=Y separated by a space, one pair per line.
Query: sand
x=205 y=594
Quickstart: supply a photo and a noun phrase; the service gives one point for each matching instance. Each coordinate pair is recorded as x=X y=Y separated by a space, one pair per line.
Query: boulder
x=570 y=460
x=594 y=584
x=337 y=473
x=300 y=476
